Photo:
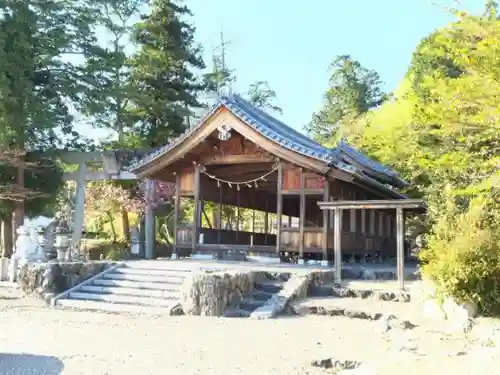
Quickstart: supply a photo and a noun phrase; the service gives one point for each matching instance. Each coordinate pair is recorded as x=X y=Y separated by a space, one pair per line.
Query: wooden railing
x=290 y=239
x=350 y=241
x=225 y=237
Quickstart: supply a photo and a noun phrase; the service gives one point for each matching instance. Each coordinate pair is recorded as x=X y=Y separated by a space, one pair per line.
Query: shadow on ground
x=15 y=364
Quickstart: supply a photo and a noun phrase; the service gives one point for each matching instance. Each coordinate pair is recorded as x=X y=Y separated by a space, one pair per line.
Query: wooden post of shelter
x=279 y=207
x=400 y=247
x=337 y=249
x=398 y=204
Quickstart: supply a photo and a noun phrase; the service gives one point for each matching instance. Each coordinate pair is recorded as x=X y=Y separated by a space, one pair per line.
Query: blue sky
x=290 y=44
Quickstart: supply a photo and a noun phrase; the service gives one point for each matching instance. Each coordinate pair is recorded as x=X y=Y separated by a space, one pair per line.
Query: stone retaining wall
x=211 y=293
x=45 y=280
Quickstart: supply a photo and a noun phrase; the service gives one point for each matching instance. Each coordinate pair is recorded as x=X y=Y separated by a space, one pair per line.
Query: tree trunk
x=125 y=224
x=7 y=237
x=112 y=225
x=19 y=206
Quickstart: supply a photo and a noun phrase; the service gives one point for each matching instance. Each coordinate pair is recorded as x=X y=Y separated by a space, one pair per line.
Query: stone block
x=4 y=269
x=212 y=293
x=49 y=279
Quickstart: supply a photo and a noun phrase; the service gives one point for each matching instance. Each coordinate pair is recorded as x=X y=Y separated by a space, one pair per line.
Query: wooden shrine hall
x=240 y=156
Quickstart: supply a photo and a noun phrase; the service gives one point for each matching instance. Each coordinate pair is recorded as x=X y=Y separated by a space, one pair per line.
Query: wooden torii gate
x=113 y=164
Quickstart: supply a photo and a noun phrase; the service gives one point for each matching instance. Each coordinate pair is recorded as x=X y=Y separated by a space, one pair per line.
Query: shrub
x=462 y=256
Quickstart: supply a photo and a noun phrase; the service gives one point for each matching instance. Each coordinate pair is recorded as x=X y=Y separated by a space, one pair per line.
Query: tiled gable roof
x=289 y=138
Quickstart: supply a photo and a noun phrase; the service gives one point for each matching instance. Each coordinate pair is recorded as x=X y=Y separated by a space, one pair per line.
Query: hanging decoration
x=224 y=132
x=254 y=182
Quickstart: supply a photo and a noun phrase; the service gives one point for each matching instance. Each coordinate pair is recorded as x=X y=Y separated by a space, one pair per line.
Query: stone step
x=156 y=293
x=354 y=308
x=250 y=304
x=269 y=286
x=146 y=278
x=133 y=300
x=347 y=292
x=152 y=272
x=114 y=307
x=260 y=295
x=141 y=285
x=237 y=313
x=161 y=265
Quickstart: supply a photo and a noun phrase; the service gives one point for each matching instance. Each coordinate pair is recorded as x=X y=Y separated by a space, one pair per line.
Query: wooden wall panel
x=187 y=180
x=291 y=179
x=314 y=181
x=236 y=149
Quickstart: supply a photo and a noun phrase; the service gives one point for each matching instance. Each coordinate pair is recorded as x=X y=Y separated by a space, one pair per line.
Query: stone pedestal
x=4 y=269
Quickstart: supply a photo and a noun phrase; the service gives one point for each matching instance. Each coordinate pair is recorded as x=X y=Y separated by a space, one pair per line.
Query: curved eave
x=155 y=156
x=383 y=189
x=369 y=166
x=276 y=131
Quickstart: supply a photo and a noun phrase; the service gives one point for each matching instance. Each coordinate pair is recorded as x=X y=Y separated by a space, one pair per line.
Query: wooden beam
x=400 y=247
x=337 y=235
x=236 y=159
x=196 y=213
x=412 y=204
x=99 y=176
x=231 y=170
x=279 y=207
x=302 y=218
x=326 y=194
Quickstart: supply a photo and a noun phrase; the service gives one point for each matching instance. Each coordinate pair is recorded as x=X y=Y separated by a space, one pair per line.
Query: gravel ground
x=38 y=340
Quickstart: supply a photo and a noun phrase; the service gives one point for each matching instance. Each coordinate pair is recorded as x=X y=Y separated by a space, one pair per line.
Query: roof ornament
x=224 y=132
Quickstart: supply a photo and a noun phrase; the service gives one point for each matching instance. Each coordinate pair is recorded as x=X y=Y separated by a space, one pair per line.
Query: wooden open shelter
x=239 y=155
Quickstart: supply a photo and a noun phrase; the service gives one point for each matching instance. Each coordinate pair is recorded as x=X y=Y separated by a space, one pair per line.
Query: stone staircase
x=264 y=289
x=135 y=288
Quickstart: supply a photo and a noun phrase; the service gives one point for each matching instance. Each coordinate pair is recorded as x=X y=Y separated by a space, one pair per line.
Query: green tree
x=37 y=81
x=108 y=96
x=442 y=132
x=353 y=91
x=262 y=95
x=163 y=72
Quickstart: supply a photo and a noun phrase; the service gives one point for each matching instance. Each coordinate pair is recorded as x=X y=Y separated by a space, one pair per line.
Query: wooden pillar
x=197 y=208
x=237 y=212
x=400 y=247
x=266 y=220
x=279 y=207
x=372 y=222
x=149 y=221
x=363 y=221
x=331 y=213
x=326 y=194
x=337 y=245
x=353 y=216
x=380 y=218
x=388 y=225
x=177 y=211
x=219 y=215
x=302 y=218
x=79 y=214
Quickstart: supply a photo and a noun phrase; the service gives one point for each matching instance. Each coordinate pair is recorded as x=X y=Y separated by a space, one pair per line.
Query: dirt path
x=38 y=340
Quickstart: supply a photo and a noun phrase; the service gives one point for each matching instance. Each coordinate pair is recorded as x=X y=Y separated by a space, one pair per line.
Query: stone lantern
x=62 y=243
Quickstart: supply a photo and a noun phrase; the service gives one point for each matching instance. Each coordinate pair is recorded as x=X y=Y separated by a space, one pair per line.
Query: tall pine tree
x=353 y=91
x=163 y=72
